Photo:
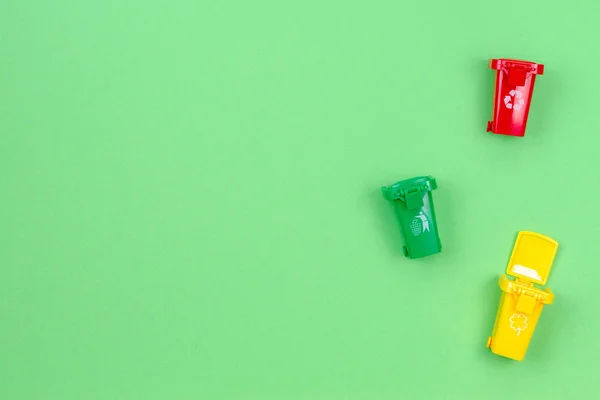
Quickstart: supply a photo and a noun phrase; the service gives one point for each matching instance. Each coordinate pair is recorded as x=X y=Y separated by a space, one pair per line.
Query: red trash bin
x=512 y=95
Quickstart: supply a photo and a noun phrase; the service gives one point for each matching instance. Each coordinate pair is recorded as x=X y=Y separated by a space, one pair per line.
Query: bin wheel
x=405 y=251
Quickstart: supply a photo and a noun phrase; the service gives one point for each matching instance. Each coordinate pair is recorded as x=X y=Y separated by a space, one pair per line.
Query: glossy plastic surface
x=413 y=204
x=521 y=303
x=532 y=257
x=513 y=91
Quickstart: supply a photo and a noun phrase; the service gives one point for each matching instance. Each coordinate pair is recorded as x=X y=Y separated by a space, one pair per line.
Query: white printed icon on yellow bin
x=521 y=302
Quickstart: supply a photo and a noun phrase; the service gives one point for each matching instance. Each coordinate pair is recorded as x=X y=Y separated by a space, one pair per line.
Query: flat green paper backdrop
x=190 y=203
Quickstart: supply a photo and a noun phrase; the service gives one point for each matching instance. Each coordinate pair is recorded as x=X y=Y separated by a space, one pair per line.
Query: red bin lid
x=507 y=64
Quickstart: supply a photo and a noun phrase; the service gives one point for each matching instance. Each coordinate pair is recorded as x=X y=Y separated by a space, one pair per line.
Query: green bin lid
x=399 y=190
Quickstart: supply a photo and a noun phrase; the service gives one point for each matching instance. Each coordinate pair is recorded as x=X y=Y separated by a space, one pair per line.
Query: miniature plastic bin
x=521 y=303
x=413 y=204
x=512 y=96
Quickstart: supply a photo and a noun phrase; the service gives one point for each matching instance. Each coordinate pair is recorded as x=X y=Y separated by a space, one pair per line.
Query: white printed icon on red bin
x=514 y=100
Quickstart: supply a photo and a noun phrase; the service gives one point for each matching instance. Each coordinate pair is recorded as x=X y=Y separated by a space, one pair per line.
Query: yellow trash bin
x=521 y=303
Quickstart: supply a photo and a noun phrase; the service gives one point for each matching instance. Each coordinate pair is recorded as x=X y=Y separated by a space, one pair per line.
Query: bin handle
x=529 y=68
x=414 y=198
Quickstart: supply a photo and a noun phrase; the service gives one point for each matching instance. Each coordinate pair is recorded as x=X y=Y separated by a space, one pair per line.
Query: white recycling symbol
x=518 y=102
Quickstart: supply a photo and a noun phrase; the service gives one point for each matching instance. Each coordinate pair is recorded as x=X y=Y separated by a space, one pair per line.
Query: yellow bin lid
x=532 y=257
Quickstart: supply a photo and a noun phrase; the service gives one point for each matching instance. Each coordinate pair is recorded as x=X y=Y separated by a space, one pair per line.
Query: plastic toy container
x=522 y=302
x=512 y=96
x=413 y=204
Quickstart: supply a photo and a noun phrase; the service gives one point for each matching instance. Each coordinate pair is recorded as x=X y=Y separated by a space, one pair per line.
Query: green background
x=190 y=203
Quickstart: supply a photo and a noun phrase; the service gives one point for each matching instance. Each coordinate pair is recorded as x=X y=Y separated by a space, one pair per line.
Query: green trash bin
x=413 y=203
